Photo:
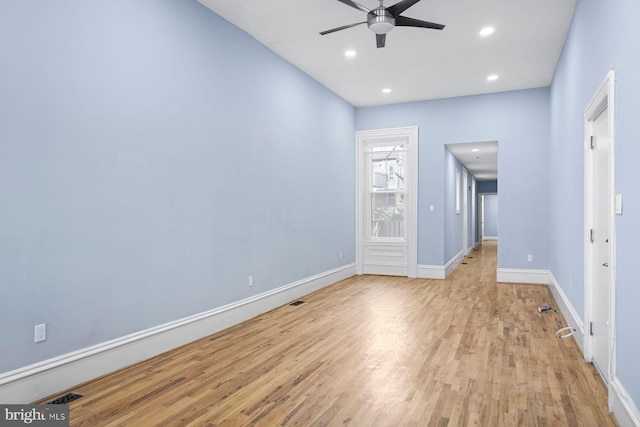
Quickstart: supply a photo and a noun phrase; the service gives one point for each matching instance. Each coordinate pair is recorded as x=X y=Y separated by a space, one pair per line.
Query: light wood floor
x=370 y=351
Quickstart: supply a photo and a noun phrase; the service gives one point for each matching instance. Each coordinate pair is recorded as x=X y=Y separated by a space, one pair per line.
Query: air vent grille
x=63 y=400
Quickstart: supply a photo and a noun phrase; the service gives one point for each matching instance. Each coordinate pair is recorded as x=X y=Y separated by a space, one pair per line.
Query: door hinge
x=591 y=235
x=590 y=328
x=593 y=145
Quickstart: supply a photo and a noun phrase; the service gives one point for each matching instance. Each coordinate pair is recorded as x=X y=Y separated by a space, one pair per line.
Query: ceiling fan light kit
x=382 y=19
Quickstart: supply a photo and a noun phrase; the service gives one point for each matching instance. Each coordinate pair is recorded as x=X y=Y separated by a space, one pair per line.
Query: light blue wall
x=603 y=35
x=519 y=120
x=452 y=220
x=491 y=215
x=152 y=157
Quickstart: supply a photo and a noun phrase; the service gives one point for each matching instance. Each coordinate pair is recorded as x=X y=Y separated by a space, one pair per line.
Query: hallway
x=370 y=351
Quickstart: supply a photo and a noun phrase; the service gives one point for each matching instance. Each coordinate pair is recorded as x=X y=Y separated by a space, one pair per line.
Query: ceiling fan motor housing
x=380 y=21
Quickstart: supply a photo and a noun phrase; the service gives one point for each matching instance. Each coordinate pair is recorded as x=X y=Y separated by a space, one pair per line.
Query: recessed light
x=492 y=77
x=487 y=31
x=475 y=150
x=386 y=90
x=350 y=53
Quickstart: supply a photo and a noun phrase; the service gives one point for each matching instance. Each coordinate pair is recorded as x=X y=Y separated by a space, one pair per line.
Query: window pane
x=388 y=168
x=387 y=215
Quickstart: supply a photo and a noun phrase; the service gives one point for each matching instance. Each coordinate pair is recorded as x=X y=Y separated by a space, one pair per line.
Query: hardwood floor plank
x=372 y=351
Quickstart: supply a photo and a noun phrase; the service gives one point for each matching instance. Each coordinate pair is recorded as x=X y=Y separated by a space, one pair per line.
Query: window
x=387 y=191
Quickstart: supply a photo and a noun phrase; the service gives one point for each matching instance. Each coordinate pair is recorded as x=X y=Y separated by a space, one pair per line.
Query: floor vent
x=465 y=263
x=63 y=400
x=297 y=303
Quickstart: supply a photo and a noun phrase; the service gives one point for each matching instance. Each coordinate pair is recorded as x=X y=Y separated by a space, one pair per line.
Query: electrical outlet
x=530 y=258
x=250 y=281
x=340 y=255
x=40 y=332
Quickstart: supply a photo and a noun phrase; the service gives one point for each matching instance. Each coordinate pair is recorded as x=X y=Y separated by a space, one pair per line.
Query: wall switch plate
x=530 y=258
x=40 y=332
x=250 y=280
x=617 y=204
x=432 y=208
x=340 y=255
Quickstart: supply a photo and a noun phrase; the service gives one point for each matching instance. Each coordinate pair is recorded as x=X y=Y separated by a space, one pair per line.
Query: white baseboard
x=431 y=272
x=624 y=410
x=622 y=406
x=34 y=382
x=567 y=310
x=453 y=263
x=516 y=275
x=440 y=271
x=489 y=237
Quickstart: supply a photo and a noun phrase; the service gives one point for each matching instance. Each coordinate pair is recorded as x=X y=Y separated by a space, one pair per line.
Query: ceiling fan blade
x=400 y=7
x=403 y=21
x=344 y=27
x=354 y=5
x=380 y=39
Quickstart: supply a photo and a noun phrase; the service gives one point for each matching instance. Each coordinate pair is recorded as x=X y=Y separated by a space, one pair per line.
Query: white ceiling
x=480 y=158
x=417 y=63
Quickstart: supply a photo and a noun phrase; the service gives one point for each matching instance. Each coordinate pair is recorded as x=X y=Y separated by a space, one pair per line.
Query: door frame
x=480 y=216
x=474 y=216
x=465 y=211
x=409 y=135
x=603 y=98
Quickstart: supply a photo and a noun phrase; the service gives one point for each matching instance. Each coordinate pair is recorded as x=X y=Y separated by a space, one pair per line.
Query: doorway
x=387 y=202
x=488 y=216
x=599 y=231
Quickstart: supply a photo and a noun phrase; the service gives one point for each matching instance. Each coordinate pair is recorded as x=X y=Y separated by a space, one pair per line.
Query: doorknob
x=606 y=264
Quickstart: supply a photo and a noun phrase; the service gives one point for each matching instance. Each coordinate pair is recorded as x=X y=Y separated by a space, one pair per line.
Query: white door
x=386 y=204
x=465 y=213
x=481 y=210
x=600 y=241
x=473 y=213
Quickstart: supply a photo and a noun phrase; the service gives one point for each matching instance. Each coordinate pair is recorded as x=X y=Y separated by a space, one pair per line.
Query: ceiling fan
x=382 y=19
